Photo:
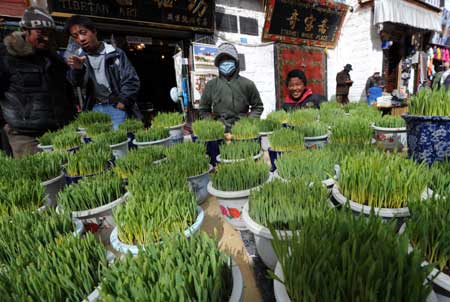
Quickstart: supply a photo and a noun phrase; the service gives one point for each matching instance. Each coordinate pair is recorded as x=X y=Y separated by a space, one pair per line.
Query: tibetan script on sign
x=177 y=14
x=308 y=22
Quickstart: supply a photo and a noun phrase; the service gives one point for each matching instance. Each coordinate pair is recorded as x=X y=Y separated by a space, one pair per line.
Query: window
x=226 y=23
x=248 y=26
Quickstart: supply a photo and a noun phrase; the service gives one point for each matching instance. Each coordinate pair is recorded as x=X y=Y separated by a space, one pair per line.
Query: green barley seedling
x=267 y=125
x=286 y=204
x=429 y=102
x=352 y=130
x=313 y=129
x=91 y=159
x=87 y=118
x=152 y=134
x=243 y=175
x=131 y=125
x=111 y=137
x=66 y=140
x=91 y=192
x=245 y=129
x=20 y=193
x=138 y=159
x=47 y=138
x=181 y=269
x=167 y=119
x=383 y=180
x=208 y=130
x=285 y=139
x=280 y=116
x=96 y=129
x=390 y=121
x=42 y=166
x=239 y=150
x=182 y=152
x=301 y=117
x=357 y=259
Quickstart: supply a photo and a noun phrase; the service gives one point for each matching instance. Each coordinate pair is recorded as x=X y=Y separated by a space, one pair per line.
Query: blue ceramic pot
x=428 y=137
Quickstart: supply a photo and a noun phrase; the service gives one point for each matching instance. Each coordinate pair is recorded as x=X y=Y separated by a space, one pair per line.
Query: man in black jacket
x=34 y=94
x=111 y=82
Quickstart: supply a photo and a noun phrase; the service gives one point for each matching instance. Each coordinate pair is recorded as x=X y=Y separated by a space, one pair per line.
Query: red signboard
x=311 y=60
x=12 y=8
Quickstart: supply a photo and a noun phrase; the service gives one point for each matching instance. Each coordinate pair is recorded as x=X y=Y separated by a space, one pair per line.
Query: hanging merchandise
x=439 y=55
x=446 y=55
x=435 y=52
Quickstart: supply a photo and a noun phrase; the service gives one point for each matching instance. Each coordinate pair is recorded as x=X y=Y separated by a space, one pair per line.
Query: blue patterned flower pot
x=428 y=137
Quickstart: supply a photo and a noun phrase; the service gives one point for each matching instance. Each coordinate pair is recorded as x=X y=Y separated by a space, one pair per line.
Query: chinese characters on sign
x=304 y=22
x=189 y=14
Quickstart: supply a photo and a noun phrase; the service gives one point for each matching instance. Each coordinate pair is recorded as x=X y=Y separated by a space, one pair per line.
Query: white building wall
x=360 y=45
x=259 y=57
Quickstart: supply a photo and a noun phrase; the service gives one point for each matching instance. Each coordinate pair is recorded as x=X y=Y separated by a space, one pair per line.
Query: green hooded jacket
x=228 y=100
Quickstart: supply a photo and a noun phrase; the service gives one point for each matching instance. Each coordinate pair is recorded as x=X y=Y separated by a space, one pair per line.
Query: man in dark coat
x=34 y=94
x=299 y=95
x=343 y=83
x=230 y=96
x=111 y=82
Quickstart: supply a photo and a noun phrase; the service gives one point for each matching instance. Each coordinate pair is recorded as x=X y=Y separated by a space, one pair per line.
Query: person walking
x=230 y=96
x=35 y=96
x=111 y=82
x=343 y=84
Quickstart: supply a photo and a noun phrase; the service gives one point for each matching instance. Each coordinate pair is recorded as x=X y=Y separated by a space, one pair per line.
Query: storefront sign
x=178 y=14
x=310 y=22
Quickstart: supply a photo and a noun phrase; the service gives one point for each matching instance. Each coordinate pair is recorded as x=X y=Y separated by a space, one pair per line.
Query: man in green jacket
x=230 y=96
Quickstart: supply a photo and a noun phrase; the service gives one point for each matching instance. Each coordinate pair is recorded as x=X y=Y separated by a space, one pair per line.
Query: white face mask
x=227 y=67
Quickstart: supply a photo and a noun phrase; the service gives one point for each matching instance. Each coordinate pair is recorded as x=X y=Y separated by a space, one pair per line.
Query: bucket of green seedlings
x=117 y=141
x=245 y=129
x=145 y=138
x=21 y=194
x=352 y=130
x=145 y=219
x=339 y=257
x=232 y=185
x=266 y=127
x=67 y=269
x=280 y=117
x=130 y=126
x=316 y=134
x=382 y=183
x=46 y=141
x=211 y=133
x=87 y=118
x=69 y=141
x=428 y=230
x=284 y=140
x=301 y=117
x=181 y=269
x=174 y=122
x=309 y=165
x=190 y=159
x=138 y=159
x=93 y=197
x=90 y=160
x=47 y=168
x=283 y=205
x=390 y=133
x=428 y=125
x=239 y=151
x=95 y=130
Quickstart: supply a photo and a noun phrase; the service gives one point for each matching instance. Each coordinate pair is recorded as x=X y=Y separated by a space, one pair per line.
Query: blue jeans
x=117 y=116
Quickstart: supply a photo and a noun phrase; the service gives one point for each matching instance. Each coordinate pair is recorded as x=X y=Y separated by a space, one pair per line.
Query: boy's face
x=38 y=38
x=84 y=37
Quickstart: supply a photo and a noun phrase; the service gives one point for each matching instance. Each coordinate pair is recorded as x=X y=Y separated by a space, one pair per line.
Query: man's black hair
x=80 y=20
x=296 y=73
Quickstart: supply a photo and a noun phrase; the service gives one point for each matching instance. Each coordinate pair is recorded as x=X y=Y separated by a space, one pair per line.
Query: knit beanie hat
x=226 y=49
x=34 y=18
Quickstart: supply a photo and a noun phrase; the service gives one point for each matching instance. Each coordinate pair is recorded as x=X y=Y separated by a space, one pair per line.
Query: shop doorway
x=155 y=67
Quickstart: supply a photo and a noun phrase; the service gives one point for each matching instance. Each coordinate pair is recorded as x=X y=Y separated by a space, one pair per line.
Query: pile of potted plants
x=181 y=269
x=67 y=141
x=116 y=140
x=67 y=269
x=352 y=130
x=238 y=151
x=146 y=217
x=315 y=134
x=390 y=133
x=301 y=117
x=382 y=183
x=93 y=197
x=91 y=159
x=150 y=137
x=138 y=159
x=245 y=129
x=284 y=140
x=232 y=184
x=284 y=206
x=428 y=125
x=211 y=133
x=173 y=121
x=339 y=257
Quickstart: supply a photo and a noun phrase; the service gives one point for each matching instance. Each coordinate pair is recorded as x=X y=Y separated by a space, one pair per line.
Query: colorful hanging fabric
x=439 y=54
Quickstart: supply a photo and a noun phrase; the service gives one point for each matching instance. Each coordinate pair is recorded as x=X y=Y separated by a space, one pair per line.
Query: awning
x=401 y=11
